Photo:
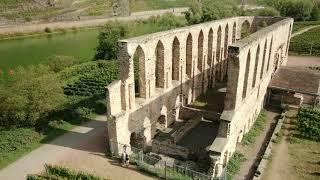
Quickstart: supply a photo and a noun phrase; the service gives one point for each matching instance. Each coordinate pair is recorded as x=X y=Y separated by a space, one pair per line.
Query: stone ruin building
x=162 y=74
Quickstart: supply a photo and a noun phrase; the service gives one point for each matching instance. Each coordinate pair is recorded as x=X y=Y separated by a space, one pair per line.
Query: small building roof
x=297 y=79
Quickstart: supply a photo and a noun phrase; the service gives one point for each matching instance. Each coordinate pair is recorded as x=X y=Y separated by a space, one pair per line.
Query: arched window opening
x=139 y=73
x=218 y=51
x=175 y=59
x=246 y=75
x=137 y=140
x=263 y=59
x=159 y=65
x=234 y=31
x=200 y=51
x=189 y=56
x=256 y=67
x=210 y=44
x=161 y=122
x=226 y=41
x=245 y=29
x=269 y=58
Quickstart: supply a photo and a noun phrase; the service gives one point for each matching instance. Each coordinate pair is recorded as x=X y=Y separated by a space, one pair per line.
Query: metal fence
x=153 y=164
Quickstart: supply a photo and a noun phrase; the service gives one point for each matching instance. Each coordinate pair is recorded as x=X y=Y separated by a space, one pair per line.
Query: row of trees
x=301 y=10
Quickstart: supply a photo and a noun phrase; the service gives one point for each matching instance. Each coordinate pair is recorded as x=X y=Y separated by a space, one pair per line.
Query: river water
x=33 y=50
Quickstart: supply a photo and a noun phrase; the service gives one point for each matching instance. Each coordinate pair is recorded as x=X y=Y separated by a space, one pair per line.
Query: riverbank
x=36 y=29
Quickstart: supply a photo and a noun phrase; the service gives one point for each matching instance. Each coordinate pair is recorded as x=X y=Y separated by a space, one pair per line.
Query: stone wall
x=178 y=65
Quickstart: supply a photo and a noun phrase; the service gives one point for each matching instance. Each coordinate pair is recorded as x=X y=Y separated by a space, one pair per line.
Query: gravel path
x=24 y=28
x=82 y=149
x=303 y=61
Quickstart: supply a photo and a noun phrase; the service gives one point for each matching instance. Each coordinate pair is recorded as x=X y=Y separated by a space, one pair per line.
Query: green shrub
x=23 y=101
x=57 y=172
x=308 y=123
x=83 y=111
x=108 y=40
x=208 y=11
x=48 y=30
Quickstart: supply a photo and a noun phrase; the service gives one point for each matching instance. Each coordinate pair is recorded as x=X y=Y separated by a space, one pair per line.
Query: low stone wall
x=267 y=154
x=168 y=148
x=189 y=113
x=178 y=135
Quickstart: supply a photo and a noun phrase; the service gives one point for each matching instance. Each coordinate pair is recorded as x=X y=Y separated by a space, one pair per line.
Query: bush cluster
x=301 y=10
x=208 y=11
x=308 y=123
x=57 y=172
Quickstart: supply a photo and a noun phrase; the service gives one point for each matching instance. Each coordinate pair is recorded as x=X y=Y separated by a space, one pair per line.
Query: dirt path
x=303 y=61
x=24 y=28
x=279 y=163
x=83 y=149
x=253 y=152
x=304 y=30
x=278 y=168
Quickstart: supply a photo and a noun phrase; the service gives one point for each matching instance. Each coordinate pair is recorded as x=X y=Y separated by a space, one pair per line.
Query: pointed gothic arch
x=159 y=69
x=210 y=47
x=189 y=56
x=200 y=51
x=256 y=63
x=175 y=59
x=246 y=76
x=139 y=73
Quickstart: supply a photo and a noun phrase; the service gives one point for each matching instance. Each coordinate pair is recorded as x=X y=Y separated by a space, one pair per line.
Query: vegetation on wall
x=256 y=129
x=234 y=164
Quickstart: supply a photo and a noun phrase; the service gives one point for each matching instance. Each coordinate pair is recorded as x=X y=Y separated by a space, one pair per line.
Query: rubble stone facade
x=178 y=65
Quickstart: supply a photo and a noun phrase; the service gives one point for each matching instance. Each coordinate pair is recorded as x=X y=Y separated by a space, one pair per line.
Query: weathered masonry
x=162 y=73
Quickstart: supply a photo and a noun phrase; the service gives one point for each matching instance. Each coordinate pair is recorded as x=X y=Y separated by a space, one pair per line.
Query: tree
x=108 y=40
x=315 y=13
x=209 y=10
x=30 y=94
